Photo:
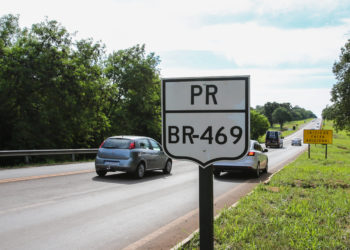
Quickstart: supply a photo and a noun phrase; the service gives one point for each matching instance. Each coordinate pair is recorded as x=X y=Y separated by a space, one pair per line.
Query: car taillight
x=251 y=153
x=132 y=145
x=102 y=144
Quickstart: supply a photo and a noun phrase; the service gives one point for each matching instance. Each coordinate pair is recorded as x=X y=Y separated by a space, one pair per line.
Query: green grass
x=304 y=206
x=287 y=128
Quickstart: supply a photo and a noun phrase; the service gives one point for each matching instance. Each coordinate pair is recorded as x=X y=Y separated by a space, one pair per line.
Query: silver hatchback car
x=296 y=141
x=131 y=154
x=256 y=161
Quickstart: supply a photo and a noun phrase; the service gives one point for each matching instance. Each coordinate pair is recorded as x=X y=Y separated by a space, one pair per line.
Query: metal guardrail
x=27 y=153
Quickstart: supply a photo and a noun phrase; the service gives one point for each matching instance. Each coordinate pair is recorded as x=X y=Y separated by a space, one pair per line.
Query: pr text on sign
x=206 y=119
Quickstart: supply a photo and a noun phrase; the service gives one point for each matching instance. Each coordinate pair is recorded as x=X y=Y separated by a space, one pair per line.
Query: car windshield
x=117 y=143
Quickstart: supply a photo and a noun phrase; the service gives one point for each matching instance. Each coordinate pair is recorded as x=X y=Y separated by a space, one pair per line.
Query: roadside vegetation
x=288 y=128
x=291 y=127
x=339 y=111
x=60 y=92
x=281 y=113
x=304 y=206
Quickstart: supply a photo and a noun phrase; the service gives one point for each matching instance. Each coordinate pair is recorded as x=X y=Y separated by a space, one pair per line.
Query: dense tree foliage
x=258 y=124
x=268 y=109
x=328 y=113
x=281 y=115
x=135 y=104
x=296 y=113
x=57 y=92
x=341 y=90
x=60 y=93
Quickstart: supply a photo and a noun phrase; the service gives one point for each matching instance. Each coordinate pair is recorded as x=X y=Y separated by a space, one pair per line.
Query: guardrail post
x=27 y=159
x=73 y=157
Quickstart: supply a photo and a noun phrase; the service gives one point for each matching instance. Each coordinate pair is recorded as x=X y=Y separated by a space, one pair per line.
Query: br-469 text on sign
x=206 y=119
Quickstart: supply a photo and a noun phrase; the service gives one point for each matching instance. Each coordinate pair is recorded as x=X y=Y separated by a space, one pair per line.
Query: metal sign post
x=320 y=136
x=204 y=120
x=206 y=208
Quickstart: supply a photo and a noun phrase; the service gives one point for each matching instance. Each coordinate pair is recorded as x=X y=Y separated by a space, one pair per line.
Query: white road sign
x=206 y=119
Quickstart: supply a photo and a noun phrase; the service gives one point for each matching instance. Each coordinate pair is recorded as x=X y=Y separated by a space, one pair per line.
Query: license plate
x=112 y=163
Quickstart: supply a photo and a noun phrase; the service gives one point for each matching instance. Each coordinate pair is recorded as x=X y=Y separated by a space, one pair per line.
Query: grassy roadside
x=287 y=128
x=304 y=206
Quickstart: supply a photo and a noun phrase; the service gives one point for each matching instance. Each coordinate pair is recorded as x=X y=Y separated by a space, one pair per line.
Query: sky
x=287 y=47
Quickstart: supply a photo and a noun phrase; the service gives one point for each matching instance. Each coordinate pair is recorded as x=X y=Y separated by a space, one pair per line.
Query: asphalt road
x=69 y=207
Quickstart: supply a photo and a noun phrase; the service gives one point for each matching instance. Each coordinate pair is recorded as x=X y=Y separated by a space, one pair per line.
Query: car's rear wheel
x=168 y=167
x=101 y=173
x=257 y=171
x=267 y=167
x=140 y=171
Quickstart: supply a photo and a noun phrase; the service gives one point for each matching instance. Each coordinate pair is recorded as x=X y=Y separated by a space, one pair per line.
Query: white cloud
x=176 y=25
x=253 y=44
x=275 y=85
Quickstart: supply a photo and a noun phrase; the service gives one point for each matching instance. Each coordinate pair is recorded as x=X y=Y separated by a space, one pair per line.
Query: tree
x=51 y=89
x=258 y=124
x=280 y=116
x=259 y=109
x=9 y=29
x=328 y=113
x=341 y=90
x=286 y=105
x=135 y=104
x=296 y=113
x=269 y=108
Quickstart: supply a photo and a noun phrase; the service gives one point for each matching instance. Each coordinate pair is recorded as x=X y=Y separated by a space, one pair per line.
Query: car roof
x=129 y=137
x=252 y=143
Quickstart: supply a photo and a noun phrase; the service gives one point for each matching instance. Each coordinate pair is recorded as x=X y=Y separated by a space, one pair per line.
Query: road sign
x=206 y=119
x=312 y=136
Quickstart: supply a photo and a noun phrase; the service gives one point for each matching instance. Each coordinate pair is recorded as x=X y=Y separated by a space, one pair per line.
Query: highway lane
x=77 y=211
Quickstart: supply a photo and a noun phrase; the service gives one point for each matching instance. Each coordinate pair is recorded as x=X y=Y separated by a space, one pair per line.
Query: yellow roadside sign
x=312 y=136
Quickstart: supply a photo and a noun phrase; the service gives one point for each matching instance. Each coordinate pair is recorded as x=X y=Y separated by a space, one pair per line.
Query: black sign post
x=206 y=208
x=206 y=119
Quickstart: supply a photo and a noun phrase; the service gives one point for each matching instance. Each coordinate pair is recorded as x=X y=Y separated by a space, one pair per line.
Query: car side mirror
x=266 y=150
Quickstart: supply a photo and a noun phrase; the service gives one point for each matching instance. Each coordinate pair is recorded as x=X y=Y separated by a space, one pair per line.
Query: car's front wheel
x=168 y=167
x=101 y=173
x=140 y=171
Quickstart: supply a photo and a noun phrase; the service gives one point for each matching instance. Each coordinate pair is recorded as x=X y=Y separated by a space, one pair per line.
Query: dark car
x=274 y=139
x=131 y=154
x=256 y=161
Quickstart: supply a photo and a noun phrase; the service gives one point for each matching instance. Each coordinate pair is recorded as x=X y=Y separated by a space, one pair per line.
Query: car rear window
x=117 y=143
x=271 y=135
